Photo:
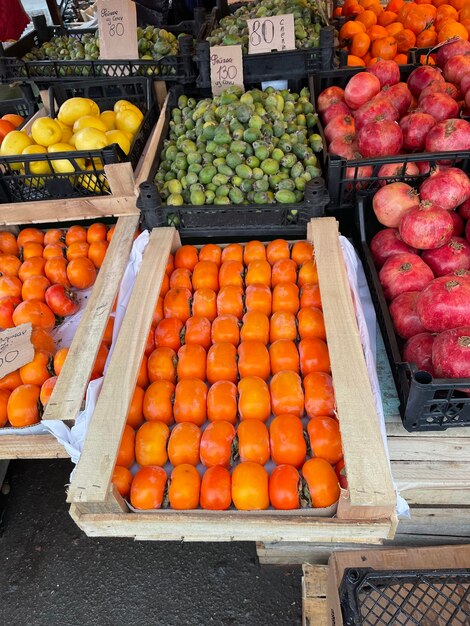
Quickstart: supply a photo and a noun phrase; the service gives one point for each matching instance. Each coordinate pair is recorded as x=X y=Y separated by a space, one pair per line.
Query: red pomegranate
x=345 y=147
x=391 y=202
x=374 y=111
x=404 y=272
x=451 y=353
x=328 y=97
x=340 y=108
x=421 y=77
x=465 y=82
x=440 y=105
x=415 y=128
x=426 y=226
x=388 y=72
x=358 y=173
x=380 y=139
x=438 y=87
x=391 y=172
x=444 y=303
x=400 y=96
x=453 y=256
x=385 y=244
x=464 y=210
x=424 y=167
x=339 y=127
x=418 y=350
x=448 y=136
x=458 y=224
x=467 y=231
x=361 y=88
x=450 y=50
x=456 y=67
x=404 y=315
x=448 y=188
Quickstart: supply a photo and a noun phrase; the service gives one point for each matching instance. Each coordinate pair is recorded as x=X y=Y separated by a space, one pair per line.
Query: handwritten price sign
x=117 y=24
x=16 y=348
x=226 y=67
x=271 y=33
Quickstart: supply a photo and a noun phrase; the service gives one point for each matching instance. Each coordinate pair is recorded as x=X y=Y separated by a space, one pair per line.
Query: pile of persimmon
x=375 y=32
x=40 y=273
x=234 y=403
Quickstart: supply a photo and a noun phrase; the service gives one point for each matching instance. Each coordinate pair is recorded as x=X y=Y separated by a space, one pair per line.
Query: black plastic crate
x=407 y=598
x=179 y=68
x=224 y=221
x=344 y=177
x=426 y=403
x=26 y=105
x=16 y=186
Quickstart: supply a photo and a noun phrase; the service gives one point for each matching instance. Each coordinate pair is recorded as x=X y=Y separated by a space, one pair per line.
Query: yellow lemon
x=71 y=141
x=37 y=167
x=108 y=119
x=128 y=120
x=66 y=131
x=124 y=105
x=37 y=182
x=90 y=139
x=46 y=131
x=74 y=108
x=89 y=121
x=14 y=143
x=64 y=166
x=129 y=135
x=94 y=183
x=117 y=136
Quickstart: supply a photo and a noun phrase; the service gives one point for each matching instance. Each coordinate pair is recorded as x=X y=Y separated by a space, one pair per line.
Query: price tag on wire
x=117 y=25
x=16 y=348
x=268 y=34
x=226 y=67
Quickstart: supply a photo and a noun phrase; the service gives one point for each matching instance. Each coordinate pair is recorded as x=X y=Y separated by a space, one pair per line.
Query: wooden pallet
x=365 y=513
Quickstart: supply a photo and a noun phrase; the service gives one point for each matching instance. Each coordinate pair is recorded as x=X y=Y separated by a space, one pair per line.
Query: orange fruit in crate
x=22 y=406
x=31 y=249
x=325 y=439
x=225 y=328
x=9 y=264
x=360 y=45
x=181 y=279
x=126 y=453
x=253 y=442
x=385 y=48
x=452 y=29
x=190 y=403
x=96 y=232
x=35 y=266
x=254 y=251
x=4 y=395
x=11 y=381
x=168 y=333
x=34 y=288
x=255 y=327
x=191 y=362
x=405 y=40
x=231 y=273
x=250 y=487
x=322 y=482
x=56 y=271
x=258 y=272
x=161 y=365
x=10 y=286
x=254 y=400
x=81 y=273
x=54 y=249
x=282 y=326
x=42 y=340
x=253 y=359
x=232 y=252
x=30 y=234
x=148 y=488
x=302 y=251
x=216 y=488
x=186 y=256
x=54 y=235
x=204 y=304
x=308 y=273
x=38 y=313
x=77 y=249
x=286 y=440
x=100 y=361
x=222 y=363
x=211 y=252
x=354 y=61
x=150 y=343
x=216 y=444
x=165 y=285
x=177 y=303
x=368 y=18
x=311 y=323
x=314 y=356
x=108 y=331
x=206 y=275
x=287 y=395
x=47 y=389
x=157 y=403
x=222 y=402
x=310 y=296
x=14 y=119
x=229 y=301
x=8 y=243
x=258 y=298
x=348 y=30
x=75 y=234
x=158 y=311
x=150 y=444
x=38 y=370
x=284 y=487
x=197 y=330
x=286 y=298
x=283 y=355
x=135 y=416
x=185 y=486
x=284 y=271
x=183 y=445
x=7 y=306
x=277 y=250
x=122 y=480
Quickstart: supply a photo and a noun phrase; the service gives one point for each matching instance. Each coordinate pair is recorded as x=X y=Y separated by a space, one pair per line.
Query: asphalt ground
x=51 y=574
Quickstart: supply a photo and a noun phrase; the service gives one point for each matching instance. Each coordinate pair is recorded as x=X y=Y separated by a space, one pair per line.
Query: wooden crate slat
x=429 y=448
x=93 y=478
x=433 y=483
x=142 y=172
x=369 y=478
x=70 y=389
x=31 y=447
x=314 y=583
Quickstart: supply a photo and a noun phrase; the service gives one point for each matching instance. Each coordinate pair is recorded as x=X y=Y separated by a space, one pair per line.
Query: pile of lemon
x=79 y=125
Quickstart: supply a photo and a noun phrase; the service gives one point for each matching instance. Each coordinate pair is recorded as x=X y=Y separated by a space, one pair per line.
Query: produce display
x=9 y=122
x=41 y=273
x=376 y=32
x=234 y=403
x=153 y=43
x=376 y=115
x=309 y=16
x=423 y=257
x=239 y=148
x=80 y=125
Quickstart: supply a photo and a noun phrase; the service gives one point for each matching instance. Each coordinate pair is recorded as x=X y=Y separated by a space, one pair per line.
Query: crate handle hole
x=423 y=378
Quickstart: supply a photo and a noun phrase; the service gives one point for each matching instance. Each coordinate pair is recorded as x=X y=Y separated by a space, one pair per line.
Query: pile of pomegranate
x=423 y=258
x=376 y=115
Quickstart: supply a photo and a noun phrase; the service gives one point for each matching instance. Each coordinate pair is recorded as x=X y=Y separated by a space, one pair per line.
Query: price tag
x=226 y=67
x=117 y=24
x=267 y=34
x=16 y=348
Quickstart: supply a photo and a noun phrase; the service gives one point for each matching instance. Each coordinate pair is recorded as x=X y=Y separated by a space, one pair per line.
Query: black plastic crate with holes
x=19 y=184
x=275 y=65
x=426 y=403
x=233 y=220
x=178 y=68
x=347 y=178
x=25 y=105
x=407 y=598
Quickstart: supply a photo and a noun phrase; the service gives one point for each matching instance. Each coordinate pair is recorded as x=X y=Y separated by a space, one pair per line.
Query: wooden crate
x=365 y=514
x=320 y=603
